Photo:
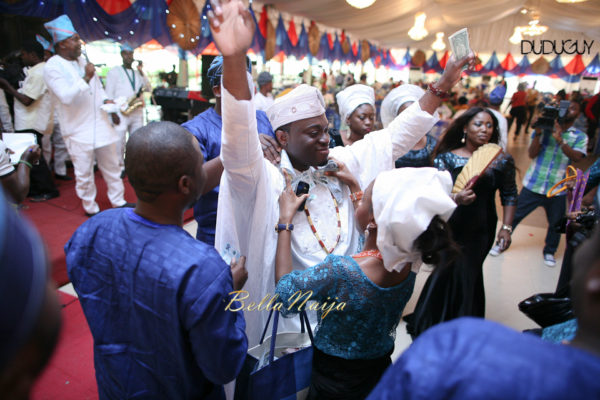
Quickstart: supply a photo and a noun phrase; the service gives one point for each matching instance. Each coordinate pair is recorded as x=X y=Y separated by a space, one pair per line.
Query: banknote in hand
x=459 y=42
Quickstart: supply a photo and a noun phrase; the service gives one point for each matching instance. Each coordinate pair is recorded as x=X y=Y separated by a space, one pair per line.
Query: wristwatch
x=284 y=227
x=506 y=228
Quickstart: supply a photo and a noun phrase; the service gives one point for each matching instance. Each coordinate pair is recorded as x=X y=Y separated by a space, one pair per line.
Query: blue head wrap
x=23 y=277
x=60 y=28
x=126 y=47
x=497 y=95
x=45 y=44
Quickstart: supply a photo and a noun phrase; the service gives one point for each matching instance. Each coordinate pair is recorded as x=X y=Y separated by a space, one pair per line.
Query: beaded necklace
x=314 y=230
x=369 y=253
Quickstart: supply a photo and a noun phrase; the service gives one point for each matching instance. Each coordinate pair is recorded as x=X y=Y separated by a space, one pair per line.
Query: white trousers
x=128 y=125
x=82 y=156
x=60 y=150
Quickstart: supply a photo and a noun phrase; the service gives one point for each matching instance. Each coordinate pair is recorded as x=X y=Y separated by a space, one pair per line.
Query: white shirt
x=78 y=103
x=262 y=102
x=119 y=82
x=5 y=116
x=5 y=166
x=502 y=127
x=250 y=188
x=39 y=115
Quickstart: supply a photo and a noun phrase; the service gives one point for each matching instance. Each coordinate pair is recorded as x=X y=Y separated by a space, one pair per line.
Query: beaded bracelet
x=26 y=163
x=356 y=196
x=442 y=94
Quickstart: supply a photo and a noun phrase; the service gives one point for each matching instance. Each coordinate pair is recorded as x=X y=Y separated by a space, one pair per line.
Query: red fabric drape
x=576 y=66
x=113 y=7
x=444 y=60
x=292 y=33
x=509 y=62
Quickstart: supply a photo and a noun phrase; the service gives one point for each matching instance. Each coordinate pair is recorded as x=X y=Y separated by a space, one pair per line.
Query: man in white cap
x=125 y=85
x=85 y=127
x=263 y=99
x=248 y=209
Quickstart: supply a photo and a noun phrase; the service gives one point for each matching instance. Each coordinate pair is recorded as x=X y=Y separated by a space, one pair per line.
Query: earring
x=464 y=138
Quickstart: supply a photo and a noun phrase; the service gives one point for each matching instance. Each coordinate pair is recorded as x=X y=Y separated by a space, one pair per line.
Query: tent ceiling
x=387 y=21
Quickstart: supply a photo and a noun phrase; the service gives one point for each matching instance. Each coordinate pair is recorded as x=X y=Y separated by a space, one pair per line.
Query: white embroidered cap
x=353 y=96
x=394 y=100
x=405 y=200
x=303 y=102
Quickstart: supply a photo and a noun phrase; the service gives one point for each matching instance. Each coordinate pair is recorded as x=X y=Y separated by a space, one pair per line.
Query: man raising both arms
x=248 y=208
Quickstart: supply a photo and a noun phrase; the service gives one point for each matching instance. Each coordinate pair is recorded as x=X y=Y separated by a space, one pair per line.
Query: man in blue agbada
x=477 y=359
x=153 y=296
x=206 y=127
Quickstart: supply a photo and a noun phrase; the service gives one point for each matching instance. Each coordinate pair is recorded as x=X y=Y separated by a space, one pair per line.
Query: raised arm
x=232 y=29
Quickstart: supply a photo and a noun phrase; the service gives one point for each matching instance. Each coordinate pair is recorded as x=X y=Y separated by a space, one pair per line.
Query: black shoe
x=128 y=205
x=43 y=197
x=89 y=215
x=63 y=177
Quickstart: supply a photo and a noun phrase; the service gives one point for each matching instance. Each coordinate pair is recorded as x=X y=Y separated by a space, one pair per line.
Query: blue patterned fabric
x=154 y=298
x=206 y=127
x=476 y=359
x=418 y=158
x=366 y=327
x=559 y=332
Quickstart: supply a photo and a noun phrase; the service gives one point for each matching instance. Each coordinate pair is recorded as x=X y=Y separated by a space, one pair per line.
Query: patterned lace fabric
x=418 y=158
x=366 y=327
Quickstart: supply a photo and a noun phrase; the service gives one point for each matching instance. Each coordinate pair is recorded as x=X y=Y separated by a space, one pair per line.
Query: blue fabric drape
x=593 y=68
x=492 y=66
x=432 y=65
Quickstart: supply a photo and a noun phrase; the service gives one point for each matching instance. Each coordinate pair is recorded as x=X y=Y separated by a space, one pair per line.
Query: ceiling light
x=533 y=29
x=439 y=44
x=360 y=3
x=418 y=31
x=516 y=36
x=570 y=1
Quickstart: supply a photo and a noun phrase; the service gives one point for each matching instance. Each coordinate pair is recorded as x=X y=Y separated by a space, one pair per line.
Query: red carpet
x=58 y=218
x=70 y=373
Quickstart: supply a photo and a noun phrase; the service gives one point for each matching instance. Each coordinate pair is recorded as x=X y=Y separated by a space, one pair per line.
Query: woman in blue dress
x=404 y=228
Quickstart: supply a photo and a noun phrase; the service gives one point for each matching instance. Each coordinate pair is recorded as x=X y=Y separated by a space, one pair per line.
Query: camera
x=583 y=226
x=550 y=114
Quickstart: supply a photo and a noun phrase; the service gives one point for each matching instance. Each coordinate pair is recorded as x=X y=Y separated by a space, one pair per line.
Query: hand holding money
x=459 y=42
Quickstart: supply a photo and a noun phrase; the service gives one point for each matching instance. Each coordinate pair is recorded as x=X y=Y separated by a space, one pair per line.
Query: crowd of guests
x=286 y=203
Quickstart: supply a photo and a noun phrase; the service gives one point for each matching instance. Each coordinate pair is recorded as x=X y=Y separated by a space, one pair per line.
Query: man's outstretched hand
x=232 y=26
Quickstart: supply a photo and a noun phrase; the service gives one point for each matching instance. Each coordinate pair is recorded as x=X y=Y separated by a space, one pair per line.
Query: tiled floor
x=509 y=278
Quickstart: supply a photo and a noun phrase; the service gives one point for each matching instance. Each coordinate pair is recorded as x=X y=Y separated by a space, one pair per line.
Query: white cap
x=301 y=103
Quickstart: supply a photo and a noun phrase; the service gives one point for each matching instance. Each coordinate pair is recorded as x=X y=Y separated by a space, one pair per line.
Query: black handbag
x=547 y=309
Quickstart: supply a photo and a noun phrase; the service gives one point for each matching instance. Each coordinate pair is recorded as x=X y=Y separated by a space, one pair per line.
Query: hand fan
x=476 y=166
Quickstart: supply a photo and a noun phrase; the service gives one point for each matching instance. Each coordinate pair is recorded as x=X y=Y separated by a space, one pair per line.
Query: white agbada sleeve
x=379 y=150
x=67 y=90
x=248 y=202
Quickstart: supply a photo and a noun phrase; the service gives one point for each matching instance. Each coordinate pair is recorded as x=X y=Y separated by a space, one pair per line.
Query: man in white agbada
x=85 y=127
x=248 y=208
x=357 y=110
x=123 y=84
